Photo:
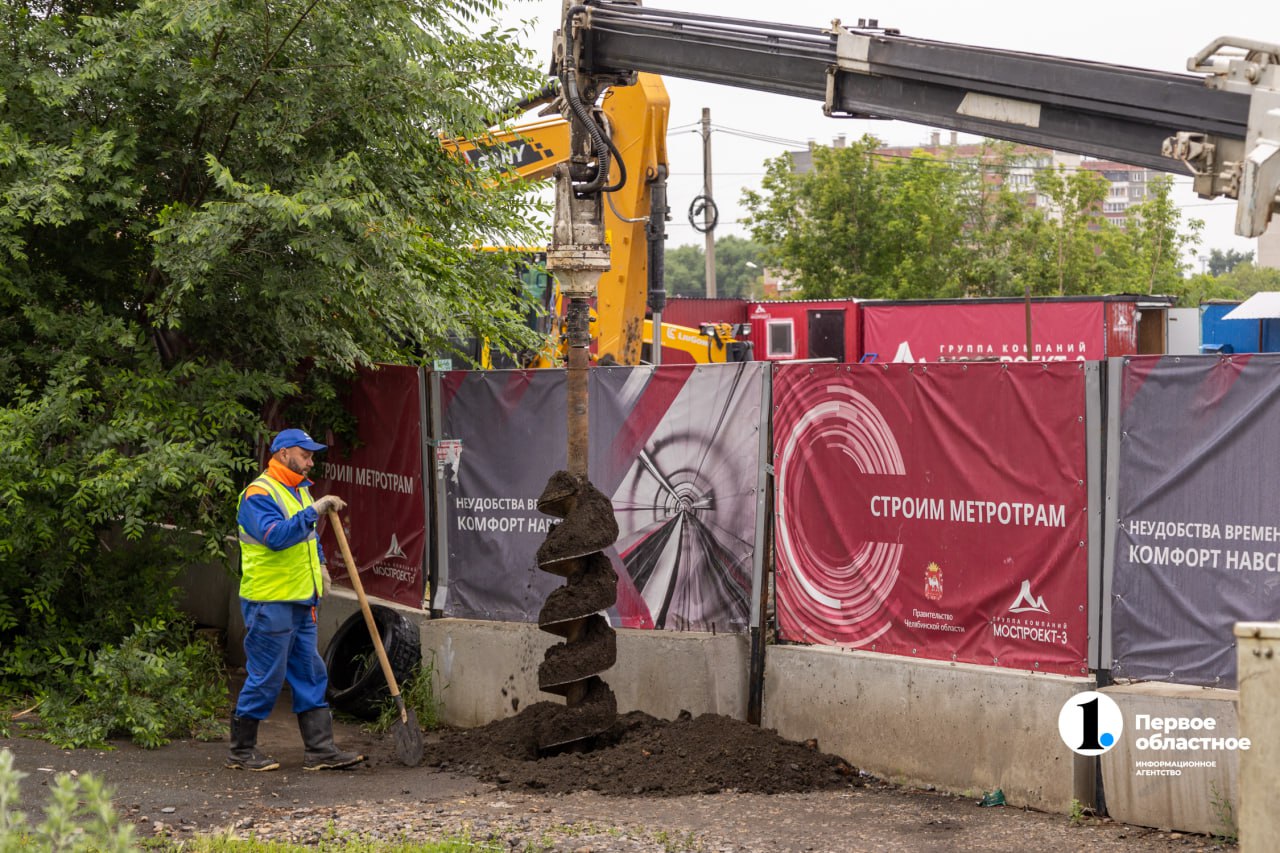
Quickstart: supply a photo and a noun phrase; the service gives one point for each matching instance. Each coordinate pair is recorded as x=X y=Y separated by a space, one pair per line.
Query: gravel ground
x=182 y=790
x=875 y=819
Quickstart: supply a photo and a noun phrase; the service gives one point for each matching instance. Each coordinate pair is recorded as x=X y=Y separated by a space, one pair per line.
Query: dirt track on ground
x=705 y=784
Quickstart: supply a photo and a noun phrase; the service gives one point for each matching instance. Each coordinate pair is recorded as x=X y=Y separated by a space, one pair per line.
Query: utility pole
x=709 y=209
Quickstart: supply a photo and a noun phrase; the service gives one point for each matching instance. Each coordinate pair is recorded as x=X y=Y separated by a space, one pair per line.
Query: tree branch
x=253 y=87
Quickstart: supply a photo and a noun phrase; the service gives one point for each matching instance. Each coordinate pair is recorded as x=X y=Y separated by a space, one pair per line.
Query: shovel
x=408 y=736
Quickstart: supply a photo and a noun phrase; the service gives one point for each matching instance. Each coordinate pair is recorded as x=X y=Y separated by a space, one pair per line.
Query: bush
x=79 y=816
x=159 y=683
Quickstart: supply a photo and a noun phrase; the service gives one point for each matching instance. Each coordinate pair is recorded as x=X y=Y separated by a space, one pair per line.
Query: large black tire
x=356 y=683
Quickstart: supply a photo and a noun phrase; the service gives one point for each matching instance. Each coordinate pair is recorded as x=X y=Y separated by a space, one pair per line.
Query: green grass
x=419 y=696
x=1225 y=813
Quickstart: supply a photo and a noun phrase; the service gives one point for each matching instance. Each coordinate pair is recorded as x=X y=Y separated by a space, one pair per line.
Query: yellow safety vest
x=289 y=575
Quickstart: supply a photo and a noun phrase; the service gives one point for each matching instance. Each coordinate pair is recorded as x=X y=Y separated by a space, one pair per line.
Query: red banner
x=984 y=331
x=381 y=481
x=934 y=511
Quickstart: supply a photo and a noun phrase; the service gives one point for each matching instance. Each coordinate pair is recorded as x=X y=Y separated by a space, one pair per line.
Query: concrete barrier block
x=665 y=672
x=1258 y=669
x=963 y=728
x=1198 y=799
x=489 y=670
x=485 y=671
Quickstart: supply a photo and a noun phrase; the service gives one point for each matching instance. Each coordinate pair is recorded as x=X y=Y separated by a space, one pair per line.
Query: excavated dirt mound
x=641 y=754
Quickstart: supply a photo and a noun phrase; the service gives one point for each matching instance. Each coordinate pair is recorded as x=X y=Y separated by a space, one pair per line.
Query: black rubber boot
x=320 y=752
x=244 y=753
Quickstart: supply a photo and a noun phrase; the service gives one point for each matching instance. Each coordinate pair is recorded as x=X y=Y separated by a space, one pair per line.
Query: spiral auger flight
x=574 y=550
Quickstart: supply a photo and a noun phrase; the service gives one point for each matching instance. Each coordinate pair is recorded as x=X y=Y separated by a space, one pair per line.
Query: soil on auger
x=640 y=754
x=582 y=530
x=592 y=588
x=595 y=651
x=574 y=549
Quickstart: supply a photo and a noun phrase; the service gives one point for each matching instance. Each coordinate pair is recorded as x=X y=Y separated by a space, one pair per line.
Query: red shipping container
x=787 y=330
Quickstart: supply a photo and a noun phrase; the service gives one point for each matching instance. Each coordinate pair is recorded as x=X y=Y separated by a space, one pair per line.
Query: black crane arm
x=1223 y=128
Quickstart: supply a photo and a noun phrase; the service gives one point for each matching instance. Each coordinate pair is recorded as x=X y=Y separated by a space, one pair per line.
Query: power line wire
x=961 y=163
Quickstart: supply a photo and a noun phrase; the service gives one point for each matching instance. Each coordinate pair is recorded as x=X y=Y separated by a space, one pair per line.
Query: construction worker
x=282 y=580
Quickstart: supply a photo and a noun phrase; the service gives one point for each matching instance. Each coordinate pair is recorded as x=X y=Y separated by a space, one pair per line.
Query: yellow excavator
x=636 y=121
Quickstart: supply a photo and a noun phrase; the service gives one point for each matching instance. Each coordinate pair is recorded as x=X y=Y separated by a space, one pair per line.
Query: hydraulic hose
x=601 y=145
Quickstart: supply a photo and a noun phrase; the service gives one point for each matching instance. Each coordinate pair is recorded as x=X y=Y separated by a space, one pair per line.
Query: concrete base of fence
x=489 y=670
x=1258 y=668
x=1201 y=799
x=966 y=729
x=208 y=592
x=485 y=671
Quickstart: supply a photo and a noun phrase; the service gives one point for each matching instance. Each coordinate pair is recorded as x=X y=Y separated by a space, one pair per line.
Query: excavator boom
x=635 y=118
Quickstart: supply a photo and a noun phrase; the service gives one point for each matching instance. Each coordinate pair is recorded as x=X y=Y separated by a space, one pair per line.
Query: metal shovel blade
x=408 y=736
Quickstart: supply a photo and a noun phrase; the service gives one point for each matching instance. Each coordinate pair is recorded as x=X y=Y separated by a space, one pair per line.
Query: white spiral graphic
x=825 y=597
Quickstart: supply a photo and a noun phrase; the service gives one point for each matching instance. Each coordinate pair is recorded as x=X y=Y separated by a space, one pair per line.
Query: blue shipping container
x=1241 y=335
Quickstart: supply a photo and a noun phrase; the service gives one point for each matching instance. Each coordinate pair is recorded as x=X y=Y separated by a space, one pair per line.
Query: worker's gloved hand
x=326 y=580
x=328 y=504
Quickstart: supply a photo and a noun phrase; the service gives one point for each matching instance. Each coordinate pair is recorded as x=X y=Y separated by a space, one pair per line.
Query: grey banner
x=1197 y=537
x=676 y=448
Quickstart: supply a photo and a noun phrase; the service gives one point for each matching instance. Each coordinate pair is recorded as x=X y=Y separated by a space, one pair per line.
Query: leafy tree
x=207 y=211
x=739 y=269
x=1147 y=256
x=1000 y=231
x=1248 y=279
x=860 y=224
x=1200 y=288
x=1075 y=226
x=685 y=271
x=1221 y=263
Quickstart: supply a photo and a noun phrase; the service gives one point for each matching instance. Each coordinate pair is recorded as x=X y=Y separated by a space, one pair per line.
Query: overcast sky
x=1140 y=33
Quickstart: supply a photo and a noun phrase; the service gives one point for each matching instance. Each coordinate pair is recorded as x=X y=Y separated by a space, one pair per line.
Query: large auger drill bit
x=574 y=550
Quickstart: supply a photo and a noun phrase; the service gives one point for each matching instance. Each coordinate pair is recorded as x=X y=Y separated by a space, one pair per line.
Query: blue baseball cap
x=295 y=438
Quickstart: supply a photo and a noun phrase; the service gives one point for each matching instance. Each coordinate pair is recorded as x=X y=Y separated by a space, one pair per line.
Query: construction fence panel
x=380 y=476
x=935 y=511
x=1196 y=540
x=677 y=450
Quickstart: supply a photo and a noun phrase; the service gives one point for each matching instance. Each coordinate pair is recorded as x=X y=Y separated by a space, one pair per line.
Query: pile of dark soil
x=641 y=754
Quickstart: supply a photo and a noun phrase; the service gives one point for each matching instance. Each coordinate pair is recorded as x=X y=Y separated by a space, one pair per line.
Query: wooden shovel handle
x=354 y=576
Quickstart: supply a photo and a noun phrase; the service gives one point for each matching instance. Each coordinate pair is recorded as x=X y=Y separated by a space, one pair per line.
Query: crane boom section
x=1108 y=111
x=1220 y=129
x=530 y=151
